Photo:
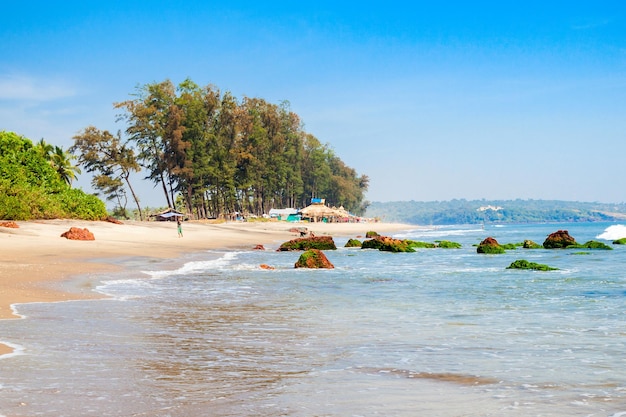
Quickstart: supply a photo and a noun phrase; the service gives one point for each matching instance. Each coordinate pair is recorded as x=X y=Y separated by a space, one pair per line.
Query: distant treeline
x=499 y=211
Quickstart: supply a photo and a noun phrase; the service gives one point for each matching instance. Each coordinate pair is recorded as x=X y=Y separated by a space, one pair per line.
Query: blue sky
x=431 y=101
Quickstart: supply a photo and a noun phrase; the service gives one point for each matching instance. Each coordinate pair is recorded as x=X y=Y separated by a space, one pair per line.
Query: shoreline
x=35 y=260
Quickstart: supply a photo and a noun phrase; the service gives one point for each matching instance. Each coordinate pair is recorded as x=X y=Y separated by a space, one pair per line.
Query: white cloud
x=25 y=88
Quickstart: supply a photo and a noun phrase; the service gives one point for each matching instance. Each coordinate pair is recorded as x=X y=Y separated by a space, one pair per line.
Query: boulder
x=371 y=234
x=489 y=245
x=388 y=244
x=76 y=233
x=353 y=243
x=559 y=240
x=113 y=220
x=9 y=224
x=306 y=243
x=313 y=258
x=259 y=247
x=266 y=266
x=529 y=244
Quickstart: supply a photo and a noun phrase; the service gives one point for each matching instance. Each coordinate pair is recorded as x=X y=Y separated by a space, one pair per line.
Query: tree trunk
x=132 y=191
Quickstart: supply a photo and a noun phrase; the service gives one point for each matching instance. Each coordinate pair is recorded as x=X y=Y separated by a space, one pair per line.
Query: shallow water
x=437 y=332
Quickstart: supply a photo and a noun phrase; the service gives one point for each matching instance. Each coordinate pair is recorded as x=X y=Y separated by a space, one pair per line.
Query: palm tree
x=61 y=161
x=44 y=149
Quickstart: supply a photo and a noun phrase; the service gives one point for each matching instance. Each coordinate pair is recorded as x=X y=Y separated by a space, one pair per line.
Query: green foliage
x=524 y=264
x=592 y=244
x=31 y=188
x=621 y=241
x=353 y=243
x=513 y=211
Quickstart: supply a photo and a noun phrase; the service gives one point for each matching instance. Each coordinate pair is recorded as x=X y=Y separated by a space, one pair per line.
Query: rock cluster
x=388 y=244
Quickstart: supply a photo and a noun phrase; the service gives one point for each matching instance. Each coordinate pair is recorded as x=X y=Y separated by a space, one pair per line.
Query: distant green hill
x=499 y=211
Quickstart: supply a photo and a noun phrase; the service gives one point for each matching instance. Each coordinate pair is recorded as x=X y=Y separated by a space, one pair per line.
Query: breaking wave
x=615 y=232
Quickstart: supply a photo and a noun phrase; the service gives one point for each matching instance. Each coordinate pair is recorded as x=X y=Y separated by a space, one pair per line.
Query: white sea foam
x=615 y=232
x=17 y=350
x=196 y=266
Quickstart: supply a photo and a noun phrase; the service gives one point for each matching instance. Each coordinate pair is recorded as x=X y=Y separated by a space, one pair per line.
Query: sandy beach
x=35 y=259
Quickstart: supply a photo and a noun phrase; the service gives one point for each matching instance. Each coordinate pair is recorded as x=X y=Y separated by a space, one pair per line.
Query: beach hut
x=167 y=215
x=319 y=212
x=288 y=214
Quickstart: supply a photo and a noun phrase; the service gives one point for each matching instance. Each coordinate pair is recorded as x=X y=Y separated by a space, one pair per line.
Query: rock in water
x=314 y=258
x=559 y=240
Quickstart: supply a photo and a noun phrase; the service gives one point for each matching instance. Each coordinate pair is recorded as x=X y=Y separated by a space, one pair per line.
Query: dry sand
x=34 y=258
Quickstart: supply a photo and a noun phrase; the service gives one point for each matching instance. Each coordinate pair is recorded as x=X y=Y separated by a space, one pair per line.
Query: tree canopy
x=35 y=183
x=225 y=155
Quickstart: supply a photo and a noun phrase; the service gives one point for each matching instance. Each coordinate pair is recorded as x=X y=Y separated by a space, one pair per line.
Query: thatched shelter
x=321 y=212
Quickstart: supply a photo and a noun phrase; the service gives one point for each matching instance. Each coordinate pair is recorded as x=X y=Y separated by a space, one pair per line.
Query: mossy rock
x=490 y=246
x=306 y=243
x=313 y=258
x=560 y=239
x=592 y=244
x=421 y=245
x=353 y=243
x=529 y=244
x=446 y=244
x=387 y=244
x=524 y=264
x=511 y=246
x=371 y=234
x=621 y=241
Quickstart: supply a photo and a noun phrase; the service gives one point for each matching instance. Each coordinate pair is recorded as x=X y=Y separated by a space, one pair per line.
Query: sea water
x=438 y=332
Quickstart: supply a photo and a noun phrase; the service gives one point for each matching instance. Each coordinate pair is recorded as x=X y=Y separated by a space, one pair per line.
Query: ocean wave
x=197 y=266
x=17 y=350
x=614 y=232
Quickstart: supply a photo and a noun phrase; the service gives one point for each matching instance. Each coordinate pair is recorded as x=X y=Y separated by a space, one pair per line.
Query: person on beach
x=179 y=223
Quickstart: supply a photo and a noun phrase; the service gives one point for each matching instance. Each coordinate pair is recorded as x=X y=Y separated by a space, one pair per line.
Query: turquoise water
x=434 y=333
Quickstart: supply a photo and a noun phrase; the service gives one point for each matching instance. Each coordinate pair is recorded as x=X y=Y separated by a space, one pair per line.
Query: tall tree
x=111 y=159
x=147 y=117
